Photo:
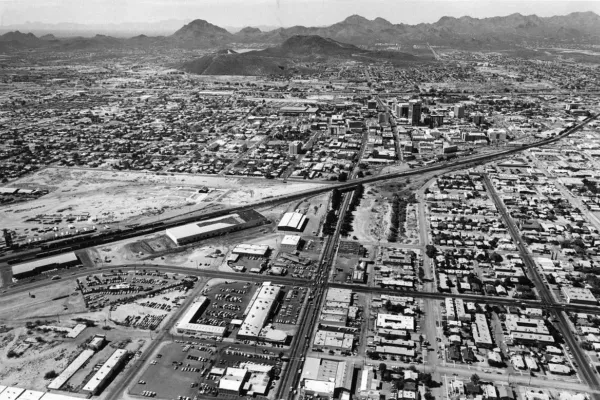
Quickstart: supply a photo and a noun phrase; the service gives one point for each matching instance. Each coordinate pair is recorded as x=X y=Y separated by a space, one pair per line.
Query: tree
x=426 y=379
x=50 y=374
x=343 y=176
x=382 y=367
x=495 y=257
x=430 y=250
x=475 y=379
x=336 y=199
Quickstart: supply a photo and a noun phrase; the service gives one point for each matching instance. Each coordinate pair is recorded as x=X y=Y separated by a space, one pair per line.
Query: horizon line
x=183 y=21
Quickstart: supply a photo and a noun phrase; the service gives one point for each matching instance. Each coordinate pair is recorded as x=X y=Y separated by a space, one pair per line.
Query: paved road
x=80 y=272
x=160 y=225
x=506 y=301
x=498 y=376
x=586 y=371
x=124 y=379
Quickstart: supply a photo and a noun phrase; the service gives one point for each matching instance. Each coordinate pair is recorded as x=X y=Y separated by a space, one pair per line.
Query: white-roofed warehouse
x=261 y=305
x=106 y=371
x=251 y=249
x=193 y=232
x=292 y=221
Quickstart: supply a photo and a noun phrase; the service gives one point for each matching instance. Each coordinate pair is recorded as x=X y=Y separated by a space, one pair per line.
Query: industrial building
x=322 y=377
x=244 y=249
x=35 y=267
x=187 y=326
x=68 y=372
x=16 y=393
x=30 y=395
x=292 y=221
x=256 y=315
x=11 y=393
x=106 y=371
x=290 y=243
x=196 y=231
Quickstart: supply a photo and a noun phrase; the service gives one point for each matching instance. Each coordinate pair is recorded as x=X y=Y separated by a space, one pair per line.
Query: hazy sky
x=273 y=12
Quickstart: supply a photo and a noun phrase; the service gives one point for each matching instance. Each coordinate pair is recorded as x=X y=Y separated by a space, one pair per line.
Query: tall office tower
x=414 y=112
x=459 y=111
x=402 y=110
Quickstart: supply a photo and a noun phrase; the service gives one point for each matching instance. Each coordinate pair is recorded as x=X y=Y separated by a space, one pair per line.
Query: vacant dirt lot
x=89 y=197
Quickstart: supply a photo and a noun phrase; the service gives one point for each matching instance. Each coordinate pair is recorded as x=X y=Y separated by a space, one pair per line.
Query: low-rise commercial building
x=578 y=295
x=258 y=312
x=187 y=324
x=106 y=371
x=290 y=243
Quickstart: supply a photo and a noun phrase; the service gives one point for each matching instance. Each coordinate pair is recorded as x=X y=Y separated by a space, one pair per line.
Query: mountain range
x=293 y=55
x=464 y=32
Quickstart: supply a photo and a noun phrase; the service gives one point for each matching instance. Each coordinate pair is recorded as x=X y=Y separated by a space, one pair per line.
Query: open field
x=84 y=198
x=56 y=298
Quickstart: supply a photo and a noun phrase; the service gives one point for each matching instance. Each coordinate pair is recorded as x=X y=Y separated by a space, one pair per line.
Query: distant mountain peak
x=200 y=28
x=249 y=31
x=382 y=21
x=356 y=19
x=27 y=39
x=314 y=42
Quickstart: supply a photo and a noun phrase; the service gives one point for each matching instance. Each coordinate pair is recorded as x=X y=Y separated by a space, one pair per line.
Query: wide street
x=588 y=373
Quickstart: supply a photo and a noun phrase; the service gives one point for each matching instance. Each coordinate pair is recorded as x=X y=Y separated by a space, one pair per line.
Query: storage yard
x=93 y=200
x=117 y=288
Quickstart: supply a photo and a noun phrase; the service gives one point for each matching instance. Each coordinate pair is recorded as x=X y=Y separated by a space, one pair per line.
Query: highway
x=585 y=369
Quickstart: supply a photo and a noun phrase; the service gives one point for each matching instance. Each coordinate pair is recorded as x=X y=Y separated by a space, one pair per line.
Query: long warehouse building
x=106 y=371
x=190 y=233
x=75 y=365
x=36 y=267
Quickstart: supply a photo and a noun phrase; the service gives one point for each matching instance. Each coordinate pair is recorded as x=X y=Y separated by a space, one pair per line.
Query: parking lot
x=118 y=287
x=173 y=372
x=302 y=266
x=183 y=368
x=291 y=306
x=228 y=301
x=250 y=263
